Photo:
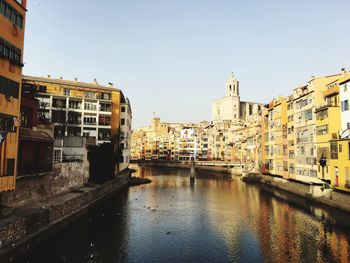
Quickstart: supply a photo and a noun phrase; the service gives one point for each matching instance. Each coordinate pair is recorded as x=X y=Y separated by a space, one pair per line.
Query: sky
x=172 y=58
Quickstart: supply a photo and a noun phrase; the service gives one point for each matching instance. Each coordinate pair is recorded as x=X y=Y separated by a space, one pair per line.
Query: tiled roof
x=69 y=83
x=27 y=134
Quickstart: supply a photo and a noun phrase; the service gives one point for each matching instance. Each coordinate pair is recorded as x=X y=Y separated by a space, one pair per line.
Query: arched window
x=230 y=88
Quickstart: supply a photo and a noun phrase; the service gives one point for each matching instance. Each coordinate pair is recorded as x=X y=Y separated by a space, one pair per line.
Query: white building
x=344 y=92
x=125 y=131
x=187 y=144
x=231 y=108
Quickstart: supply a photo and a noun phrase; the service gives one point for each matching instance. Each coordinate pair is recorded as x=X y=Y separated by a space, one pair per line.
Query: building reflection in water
x=277 y=230
x=213 y=219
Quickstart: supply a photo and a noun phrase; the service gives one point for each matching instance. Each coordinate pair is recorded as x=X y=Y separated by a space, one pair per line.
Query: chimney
x=61 y=78
x=75 y=79
x=49 y=76
x=95 y=82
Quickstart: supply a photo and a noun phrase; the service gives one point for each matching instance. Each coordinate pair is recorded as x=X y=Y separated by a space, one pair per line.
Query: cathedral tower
x=232 y=87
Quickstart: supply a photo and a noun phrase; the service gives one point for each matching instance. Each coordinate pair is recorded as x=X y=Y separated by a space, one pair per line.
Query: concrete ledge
x=303 y=190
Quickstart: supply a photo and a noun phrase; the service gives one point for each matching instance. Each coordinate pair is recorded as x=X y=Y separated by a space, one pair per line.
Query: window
x=105 y=107
x=322 y=114
x=11 y=52
x=74 y=117
x=345 y=87
x=123 y=108
x=10 y=167
x=7 y=123
x=74 y=104
x=344 y=105
x=104 y=120
x=11 y=14
x=336 y=176
x=313 y=173
x=105 y=96
x=90 y=94
x=90 y=106
x=41 y=89
x=58 y=116
x=291 y=155
x=90 y=120
x=66 y=92
x=122 y=121
x=322 y=130
x=74 y=131
x=308 y=115
x=8 y=87
x=57 y=156
x=59 y=103
x=103 y=134
x=334 y=150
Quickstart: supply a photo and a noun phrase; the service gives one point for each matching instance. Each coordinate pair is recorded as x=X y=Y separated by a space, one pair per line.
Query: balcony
x=330 y=92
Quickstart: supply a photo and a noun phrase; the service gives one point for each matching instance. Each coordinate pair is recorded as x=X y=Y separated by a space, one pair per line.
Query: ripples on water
x=214 y=219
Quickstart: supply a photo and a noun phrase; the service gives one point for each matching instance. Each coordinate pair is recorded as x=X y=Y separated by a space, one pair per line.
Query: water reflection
x=211 y=219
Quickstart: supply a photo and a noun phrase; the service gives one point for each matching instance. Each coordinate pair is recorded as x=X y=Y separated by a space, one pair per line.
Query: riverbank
x=334 y=199
x=27 y=226
x=187 y=165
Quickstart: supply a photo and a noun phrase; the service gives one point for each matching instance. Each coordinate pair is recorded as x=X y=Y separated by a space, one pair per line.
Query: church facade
x=231 y=109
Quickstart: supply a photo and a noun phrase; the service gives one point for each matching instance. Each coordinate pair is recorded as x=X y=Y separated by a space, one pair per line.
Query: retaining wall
x=32 y=224
x=39 y=186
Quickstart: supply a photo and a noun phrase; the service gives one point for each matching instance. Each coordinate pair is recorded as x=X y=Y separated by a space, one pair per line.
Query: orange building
x=12 y=24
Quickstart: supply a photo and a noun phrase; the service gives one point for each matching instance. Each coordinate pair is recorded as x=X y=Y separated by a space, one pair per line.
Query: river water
x=216 y=218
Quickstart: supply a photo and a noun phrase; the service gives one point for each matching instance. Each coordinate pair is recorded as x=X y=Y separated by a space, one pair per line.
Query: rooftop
x=69 y=83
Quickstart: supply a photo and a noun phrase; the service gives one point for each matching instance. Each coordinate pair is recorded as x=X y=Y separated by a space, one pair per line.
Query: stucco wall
x=36 y=187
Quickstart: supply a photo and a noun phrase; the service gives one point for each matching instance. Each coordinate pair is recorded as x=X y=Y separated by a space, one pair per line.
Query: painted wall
x=9 y=148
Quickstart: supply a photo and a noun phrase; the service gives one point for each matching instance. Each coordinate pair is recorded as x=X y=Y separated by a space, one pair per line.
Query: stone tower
x=228 y=107
x=232 y=87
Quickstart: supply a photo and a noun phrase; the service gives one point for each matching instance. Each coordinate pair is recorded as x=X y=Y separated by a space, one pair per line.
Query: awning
x=26 y=134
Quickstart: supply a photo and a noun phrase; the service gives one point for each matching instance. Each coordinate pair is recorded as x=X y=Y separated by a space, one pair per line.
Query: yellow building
x=307 y=99
x=327 y=129
x=332 y=136
x=77 y=108
x=275 y=138
x=12 y=24
x=290 y=137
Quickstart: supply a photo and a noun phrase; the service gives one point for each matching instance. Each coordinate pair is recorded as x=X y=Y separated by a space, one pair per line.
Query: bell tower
x=232 y=87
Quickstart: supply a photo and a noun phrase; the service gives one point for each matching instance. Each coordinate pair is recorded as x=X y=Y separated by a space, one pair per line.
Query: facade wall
x=11 y=63
x=125 y=128
x=76 y=108
x=345 y=106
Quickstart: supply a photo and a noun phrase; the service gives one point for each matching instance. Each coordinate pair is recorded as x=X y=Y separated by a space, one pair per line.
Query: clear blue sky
x=174 y=56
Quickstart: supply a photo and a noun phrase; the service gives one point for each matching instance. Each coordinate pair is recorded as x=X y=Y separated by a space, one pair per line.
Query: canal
x=215 y=219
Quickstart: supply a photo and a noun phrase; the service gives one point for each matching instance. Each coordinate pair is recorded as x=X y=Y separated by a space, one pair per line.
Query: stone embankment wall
x=333 y=199
x=26 y=227
x=40 y=186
